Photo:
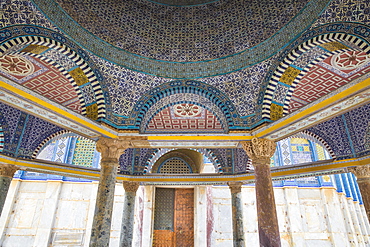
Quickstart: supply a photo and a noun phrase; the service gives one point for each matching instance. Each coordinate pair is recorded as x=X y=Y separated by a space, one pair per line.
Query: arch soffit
x=156 y=155
x=215 y=96
x=28 y=34
x=63 y=71
x=56 y=136
x=355 y=33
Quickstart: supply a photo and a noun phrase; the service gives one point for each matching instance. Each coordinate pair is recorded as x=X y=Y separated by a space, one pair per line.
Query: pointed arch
x=162 y=151
x=27 y=34
x=311 y=39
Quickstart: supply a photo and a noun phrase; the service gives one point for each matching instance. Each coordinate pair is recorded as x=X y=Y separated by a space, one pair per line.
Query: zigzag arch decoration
x=187 y=98
x=1 y=139
x=53 y=137
x=28 y=34
x=219 y=99
x=161 y=151
x=355 y=33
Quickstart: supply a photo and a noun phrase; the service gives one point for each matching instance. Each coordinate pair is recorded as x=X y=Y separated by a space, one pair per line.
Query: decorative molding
x=7 y=170
x=361 y=172
x=131 y=186
x=111 y=149
x=259 y=150
x=235 y=187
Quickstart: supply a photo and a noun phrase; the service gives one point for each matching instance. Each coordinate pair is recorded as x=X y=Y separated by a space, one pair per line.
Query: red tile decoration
x=329 y=75
x=185 y=117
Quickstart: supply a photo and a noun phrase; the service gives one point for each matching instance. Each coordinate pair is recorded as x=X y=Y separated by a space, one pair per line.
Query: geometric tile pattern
x=323 y=78
x=35 y=131
x=334 y=133
x=18 y=12
x=1 y=139
x=28 y=34
x=59 y=58
x=133 y=160
x=54 y=86
x=187 y=34
x=353 y=35
x=183 y=117
x=181 y=24
x=83 y=154
x=50 y=139
x=345 y=11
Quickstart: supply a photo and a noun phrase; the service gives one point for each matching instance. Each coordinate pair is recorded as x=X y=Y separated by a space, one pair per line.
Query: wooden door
x=174 y=218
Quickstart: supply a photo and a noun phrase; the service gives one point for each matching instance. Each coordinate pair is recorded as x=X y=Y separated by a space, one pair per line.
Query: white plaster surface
x=56 y=213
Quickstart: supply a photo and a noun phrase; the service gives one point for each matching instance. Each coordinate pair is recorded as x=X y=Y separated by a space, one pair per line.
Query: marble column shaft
x=237 y=213
x=260 y=151
x=127 y=228
x=6 y=175
x=111 y=150
x=362 y=174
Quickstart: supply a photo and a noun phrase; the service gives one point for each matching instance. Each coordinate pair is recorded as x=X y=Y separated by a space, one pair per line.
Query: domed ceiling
x=170 y=38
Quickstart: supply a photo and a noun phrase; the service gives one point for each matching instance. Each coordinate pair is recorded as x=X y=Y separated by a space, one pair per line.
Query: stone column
x=6 y=175
x=127 y=228
x=362 y=174
x=260 y=151
x=111 y=150
x=237 y=213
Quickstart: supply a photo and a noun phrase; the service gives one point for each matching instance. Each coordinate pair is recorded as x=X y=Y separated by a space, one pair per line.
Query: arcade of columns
x=259 y=150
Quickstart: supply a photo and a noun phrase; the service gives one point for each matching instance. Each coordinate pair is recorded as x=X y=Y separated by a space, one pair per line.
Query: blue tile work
x=334 y=133
x=183 y=34
x=15 y=12
x=225 y=157
x=124 y=86
x=309 y=56
x=1 y=139
x=244 y=54
x=352 y=32
x=23 y=133
x=345 y=10
x=35 y=132
x=346 y=134
x=133 y=161
x=18 y=34
x=59 y=58
x=12 y=122
x=240 y=160
x=357 y=123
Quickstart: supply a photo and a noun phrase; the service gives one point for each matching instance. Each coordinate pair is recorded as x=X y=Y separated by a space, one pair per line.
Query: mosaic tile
x=88 y=94
x=59 y=58
x=309 y=56
x=35 y=132
x=183 y=34
x=22 y=12
x=224 y=45
x=280 y=93
x=333 y=132
x=345 y=10
x=357 y=122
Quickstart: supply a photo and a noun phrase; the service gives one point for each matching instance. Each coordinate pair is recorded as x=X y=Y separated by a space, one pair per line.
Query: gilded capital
x=360 y=171
x=235 y=187
x=259 y=150
x=111 y=148
x=7 y=170
x=131 y=186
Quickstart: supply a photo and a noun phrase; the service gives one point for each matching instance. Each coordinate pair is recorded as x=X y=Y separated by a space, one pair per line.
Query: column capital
x=111 y=148
x=7 y=170
x=259 y=150
x=360 y=172
x=235 y=187
x=131 y=186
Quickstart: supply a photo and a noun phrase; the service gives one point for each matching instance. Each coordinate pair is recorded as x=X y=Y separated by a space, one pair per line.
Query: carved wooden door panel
x=174 y=218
